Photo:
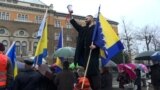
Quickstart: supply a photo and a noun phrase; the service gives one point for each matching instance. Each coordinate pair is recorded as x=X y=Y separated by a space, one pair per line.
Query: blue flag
x=60 y=40
x=11 y=53
x=107 y=39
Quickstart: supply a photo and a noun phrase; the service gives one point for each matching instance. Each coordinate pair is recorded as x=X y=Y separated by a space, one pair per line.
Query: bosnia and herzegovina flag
x=11 y=53
x=107 y=39
x=58 y=65
x=41 y=50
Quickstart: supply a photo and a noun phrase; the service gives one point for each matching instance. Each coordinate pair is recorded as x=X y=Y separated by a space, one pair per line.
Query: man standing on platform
x=83 y=47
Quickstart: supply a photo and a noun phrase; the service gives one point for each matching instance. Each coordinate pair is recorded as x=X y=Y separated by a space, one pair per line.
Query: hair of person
x=2 y=47
x=65 y=65
x=105 y=69
x=90 y=16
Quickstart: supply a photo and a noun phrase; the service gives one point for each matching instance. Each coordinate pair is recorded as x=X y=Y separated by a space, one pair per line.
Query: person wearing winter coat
x=65 y=79
x=27 y=79
x=106 y=79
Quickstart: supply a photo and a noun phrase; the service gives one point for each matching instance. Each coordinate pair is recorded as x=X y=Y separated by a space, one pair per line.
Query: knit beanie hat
x=2 y=48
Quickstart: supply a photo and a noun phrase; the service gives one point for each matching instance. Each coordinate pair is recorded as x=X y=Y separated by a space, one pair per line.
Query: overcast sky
x=139 y=12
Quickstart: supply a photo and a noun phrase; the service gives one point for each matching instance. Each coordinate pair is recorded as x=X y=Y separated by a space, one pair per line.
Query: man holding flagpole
x=6 y=71
x=83 y=49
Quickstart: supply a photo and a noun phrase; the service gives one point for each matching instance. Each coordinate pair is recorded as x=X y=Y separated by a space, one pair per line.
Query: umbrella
x=111 y=64
x=65 y=52
x=128 y=69
x=142 y=67
x=131 y=66
x=144 y=55
x=156 y=56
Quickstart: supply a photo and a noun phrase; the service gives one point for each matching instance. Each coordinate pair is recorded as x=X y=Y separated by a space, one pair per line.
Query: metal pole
x=123 y=57
x=86 y=68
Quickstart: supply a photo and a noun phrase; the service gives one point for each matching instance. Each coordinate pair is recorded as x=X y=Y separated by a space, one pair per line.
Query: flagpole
x=10 y=48
x=62 y=35
x=88 y=61
x=123 y=57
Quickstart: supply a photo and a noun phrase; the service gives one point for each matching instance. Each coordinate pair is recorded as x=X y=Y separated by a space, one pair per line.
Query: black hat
x=2 y=48
x=28 y=61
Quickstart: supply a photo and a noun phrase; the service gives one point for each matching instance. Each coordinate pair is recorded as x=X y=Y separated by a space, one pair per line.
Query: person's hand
x=92 y=46
x=70 y=16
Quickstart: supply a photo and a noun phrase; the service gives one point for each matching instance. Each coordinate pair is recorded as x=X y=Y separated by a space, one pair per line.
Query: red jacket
x=79 y=84
x=3 y=70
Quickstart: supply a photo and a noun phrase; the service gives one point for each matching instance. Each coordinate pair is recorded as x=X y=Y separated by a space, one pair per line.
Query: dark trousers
x=156 y=87
x=95 y=82
x=2 y=88
x=139 y=87
x=144 y=82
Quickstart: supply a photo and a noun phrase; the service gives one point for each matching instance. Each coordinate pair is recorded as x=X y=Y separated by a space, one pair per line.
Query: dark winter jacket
x=65 y=80
x=46 y=84
x=106 y=81
x=155 y=74
x=27 y=80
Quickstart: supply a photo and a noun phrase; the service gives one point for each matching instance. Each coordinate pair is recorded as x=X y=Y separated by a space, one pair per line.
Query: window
x=21 y=33
x=68 y=26
x=38 y=19
x=4 y=15
x=24 y=48
x=2 y=30
x=56 y=36
x=5 y=43
x=34 y=47
x=18 y=48
x=22 y=17
x=57 y=23
x=34 y=35
x=69 y=38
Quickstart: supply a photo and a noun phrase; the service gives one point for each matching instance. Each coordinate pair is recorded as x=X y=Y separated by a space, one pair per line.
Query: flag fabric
x=58 y=65
x=41 y=50
x=60 y=40
x=42 y=25
x=11 y=53
x=107 y=39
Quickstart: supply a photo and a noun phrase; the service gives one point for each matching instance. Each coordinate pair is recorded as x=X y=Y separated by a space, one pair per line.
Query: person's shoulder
x=20 y=75
x=154 y=66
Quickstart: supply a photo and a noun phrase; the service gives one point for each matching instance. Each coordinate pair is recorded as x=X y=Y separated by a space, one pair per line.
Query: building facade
x=20 y=21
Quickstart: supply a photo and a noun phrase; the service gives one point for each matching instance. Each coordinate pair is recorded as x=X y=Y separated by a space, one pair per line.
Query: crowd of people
x=143 y=79
x=45 y=77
